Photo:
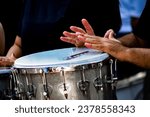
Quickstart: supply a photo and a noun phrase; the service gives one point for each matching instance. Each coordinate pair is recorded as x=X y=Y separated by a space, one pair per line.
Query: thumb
x=108 y=33
x=111 y=34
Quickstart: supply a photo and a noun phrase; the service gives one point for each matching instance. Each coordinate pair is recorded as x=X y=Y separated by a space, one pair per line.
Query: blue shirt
x=128 y=9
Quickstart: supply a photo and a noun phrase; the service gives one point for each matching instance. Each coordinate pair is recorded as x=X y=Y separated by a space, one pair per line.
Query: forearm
x=2 y=40
x=130 y=40
x=137 y=56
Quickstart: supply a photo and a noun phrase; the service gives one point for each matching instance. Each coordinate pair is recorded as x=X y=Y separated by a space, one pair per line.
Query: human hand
x=7 y=61
x=106 y=44
x=72 y=37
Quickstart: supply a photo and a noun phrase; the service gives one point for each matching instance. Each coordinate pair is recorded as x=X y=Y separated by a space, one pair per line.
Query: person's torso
x=44 y=21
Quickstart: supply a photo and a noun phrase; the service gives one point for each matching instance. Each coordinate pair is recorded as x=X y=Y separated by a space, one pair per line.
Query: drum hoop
x=39 y=70
x=5 y=70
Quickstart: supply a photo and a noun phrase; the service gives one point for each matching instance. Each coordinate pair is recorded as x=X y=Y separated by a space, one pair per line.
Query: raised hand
x=72 y=37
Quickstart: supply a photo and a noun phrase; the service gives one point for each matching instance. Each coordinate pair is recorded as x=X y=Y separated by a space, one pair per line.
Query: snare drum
x=69 y=73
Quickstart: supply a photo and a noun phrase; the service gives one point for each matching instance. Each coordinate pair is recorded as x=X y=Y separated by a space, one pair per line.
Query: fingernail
x=62 y=38
x=88 y=45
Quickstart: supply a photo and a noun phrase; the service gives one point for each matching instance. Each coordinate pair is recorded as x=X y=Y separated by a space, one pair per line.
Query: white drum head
x=67 y=57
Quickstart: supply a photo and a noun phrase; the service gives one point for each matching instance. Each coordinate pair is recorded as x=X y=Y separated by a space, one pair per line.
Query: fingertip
x=65 y=31
x=112 y=34
x=83 y=19
x=61 y=38
x=88 y=45
x=71 y=27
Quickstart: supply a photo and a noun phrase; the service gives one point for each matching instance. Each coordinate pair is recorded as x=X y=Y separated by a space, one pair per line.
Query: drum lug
x=31 y=92
x=115 y=78
x=18 y=87
x=7 y=94
x=45 y=92
x=113 y=74
x=84 y=86
x=19 y=92
x=98 y=84
x=65 y=91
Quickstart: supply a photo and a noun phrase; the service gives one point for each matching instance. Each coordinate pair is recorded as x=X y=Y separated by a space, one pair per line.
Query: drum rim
x=39 y=70
x=5 y=70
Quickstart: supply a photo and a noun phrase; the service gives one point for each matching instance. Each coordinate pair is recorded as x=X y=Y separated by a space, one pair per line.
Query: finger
x=108 y=33
x=111 y=34
x=69 y=34
x=94 y=46
x=90 y=39
x=69 y=40
x=79 y=43
x=3 y=59
x=87 y=27
x=88 y=45
x=6 y=63
x=77 y=29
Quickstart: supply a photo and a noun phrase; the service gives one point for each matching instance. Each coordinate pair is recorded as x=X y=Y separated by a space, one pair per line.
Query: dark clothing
x=43 y=21
x=143 y=25
x=142 y=31
x=146 y=88
x=10 y=12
